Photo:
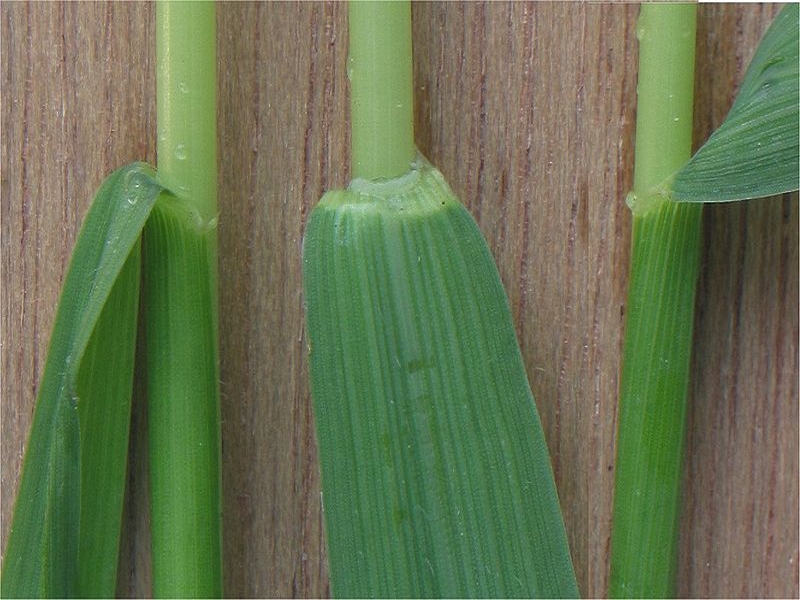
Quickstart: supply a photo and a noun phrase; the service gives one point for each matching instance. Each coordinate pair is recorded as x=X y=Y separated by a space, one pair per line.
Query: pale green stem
x=187 y=102
x=666 y=35
x=381 y=90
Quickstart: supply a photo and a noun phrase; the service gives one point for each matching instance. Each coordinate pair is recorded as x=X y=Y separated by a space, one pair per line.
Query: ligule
x=436 y=477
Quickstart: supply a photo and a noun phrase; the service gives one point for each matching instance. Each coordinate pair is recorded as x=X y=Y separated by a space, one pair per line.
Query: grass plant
x=754 y=153
x=435 y=474
x=160 y=229
x=180 y=311
x=665 y=258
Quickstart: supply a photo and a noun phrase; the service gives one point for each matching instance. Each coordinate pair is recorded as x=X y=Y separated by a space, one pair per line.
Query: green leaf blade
x=756 y=151
x=104 y=385
x=436 y=477
x=43 y=548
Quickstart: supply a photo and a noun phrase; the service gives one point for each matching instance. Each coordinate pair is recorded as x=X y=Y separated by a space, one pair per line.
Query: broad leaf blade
x=756 y=150
x=42 y=553
x=436 y=477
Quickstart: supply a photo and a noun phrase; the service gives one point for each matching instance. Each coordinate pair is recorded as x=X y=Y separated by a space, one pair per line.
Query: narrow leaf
x=756 y=150
x=104 y=385
x=436 y=476
x=42 y=553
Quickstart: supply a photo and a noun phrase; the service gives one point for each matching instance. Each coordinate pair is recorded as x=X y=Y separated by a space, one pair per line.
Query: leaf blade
x=756 y=151
x=104 y=384
x=43 y=548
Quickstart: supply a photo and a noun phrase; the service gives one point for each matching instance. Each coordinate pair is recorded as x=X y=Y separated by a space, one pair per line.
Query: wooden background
x=529 y=111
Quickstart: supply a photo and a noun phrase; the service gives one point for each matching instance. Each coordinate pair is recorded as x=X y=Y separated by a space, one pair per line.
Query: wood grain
x=740 y=523
x=529 y=111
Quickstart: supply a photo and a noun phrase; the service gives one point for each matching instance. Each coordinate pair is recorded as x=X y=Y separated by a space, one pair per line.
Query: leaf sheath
x=436 y=477
x=183 y=403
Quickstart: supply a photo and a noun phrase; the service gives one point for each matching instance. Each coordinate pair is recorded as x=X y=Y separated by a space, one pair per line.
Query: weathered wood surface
x=528 y=110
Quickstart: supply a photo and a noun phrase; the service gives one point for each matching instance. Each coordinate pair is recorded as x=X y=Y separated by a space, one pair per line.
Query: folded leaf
x=436 y=477
x=52 y=510
x=104 y=385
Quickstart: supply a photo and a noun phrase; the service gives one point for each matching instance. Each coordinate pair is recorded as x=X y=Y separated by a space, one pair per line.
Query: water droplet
x=183 y=88
x=642 y=25
x=180 y=152
x=676 y=119
x=132 y=200
x=350 y=68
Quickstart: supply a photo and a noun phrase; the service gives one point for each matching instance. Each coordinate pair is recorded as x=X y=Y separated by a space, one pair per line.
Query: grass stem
x=665 y=91
x=660 y=314
x=179 y=252
x=187 y=102
x=381 y=91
